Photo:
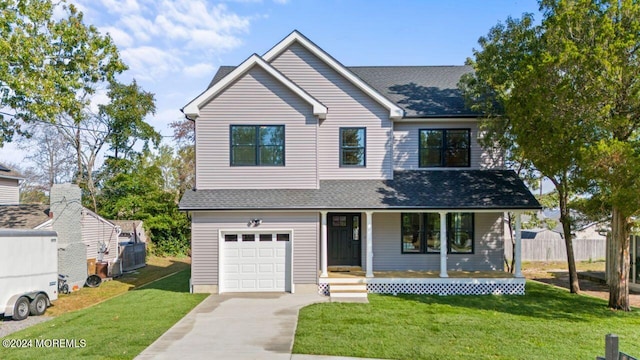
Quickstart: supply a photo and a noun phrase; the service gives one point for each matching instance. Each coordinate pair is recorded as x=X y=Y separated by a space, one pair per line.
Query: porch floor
x=422 y=274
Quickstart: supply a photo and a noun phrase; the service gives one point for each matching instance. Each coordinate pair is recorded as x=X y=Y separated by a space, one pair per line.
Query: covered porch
x=447 y=280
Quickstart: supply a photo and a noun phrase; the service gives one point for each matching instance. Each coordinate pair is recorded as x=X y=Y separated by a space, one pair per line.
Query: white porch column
x=518 y=249
x=443 y=245
x=369 y=269
x=323 y=244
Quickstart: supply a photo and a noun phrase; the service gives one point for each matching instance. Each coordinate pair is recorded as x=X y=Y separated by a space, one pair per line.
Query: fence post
x=611 y=347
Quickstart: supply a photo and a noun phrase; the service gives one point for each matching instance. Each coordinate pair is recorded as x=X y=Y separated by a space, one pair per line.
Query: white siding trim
x=192 y=109
x=395 y=112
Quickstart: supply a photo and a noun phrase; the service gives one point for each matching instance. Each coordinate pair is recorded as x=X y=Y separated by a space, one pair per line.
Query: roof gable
x=192 y=109
x=395 y=111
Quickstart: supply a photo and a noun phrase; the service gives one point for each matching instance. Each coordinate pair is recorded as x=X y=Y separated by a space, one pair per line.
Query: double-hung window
x=257 y=145
x=353 y=147
x=421 y=233
x=445 y=147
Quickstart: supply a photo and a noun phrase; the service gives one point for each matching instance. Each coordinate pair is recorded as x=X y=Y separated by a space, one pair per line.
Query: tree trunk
x=619 y=282
x=565 y=219
x=79 y=154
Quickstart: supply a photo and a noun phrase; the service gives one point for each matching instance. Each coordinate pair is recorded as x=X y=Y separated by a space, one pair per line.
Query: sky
x=174 y=47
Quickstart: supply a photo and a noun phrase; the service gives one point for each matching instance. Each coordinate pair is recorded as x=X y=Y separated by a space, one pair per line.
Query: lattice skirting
x=447 y=289
x=323 y=289
x=439 y=289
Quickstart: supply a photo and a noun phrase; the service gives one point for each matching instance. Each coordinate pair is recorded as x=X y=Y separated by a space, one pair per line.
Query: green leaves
x=48 y=66
x=136 y=190
x=568 y=102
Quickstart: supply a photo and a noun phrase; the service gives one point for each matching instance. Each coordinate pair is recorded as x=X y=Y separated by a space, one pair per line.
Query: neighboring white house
x=9 y=186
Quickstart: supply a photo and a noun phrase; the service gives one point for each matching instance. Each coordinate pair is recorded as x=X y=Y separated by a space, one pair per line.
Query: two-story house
x=310 y=173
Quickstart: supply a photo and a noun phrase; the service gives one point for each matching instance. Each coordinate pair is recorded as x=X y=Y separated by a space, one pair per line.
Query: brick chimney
x=66 y=206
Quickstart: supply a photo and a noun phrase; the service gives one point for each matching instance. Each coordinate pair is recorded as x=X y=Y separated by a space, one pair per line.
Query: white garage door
x=256 y=262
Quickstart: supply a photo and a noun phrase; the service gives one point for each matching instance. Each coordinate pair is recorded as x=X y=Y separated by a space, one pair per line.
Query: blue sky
x=174 y=47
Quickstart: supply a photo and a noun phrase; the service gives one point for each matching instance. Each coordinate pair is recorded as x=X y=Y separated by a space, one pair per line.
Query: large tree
x=570 y=94
x=136 y=190
x=521 y=115
x=119 y=123
x=50 y=64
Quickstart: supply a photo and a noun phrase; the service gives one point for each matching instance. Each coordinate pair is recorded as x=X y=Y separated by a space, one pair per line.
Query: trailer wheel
x=38 y=306
x=21 y=309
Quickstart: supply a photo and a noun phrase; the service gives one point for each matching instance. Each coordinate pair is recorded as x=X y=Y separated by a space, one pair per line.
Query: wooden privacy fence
x=555 y=249
x=133 y=256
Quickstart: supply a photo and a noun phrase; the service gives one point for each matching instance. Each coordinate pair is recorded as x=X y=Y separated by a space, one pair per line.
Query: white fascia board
x=395 y=112
x=192 y=110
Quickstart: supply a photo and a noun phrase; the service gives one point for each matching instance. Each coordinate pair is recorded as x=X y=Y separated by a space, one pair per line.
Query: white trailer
x=28 y=272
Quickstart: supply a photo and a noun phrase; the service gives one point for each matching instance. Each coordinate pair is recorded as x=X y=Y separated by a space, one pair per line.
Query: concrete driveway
x=234 y=326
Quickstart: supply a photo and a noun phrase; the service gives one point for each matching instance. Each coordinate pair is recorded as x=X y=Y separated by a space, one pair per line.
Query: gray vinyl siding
x=406 y=137
x=256 y=99
x=488 y=254
x=9 y=192
x=205 y=242
x=348 y=107
x=95 y=230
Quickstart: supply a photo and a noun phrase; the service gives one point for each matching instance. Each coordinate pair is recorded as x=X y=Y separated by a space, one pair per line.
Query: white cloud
x=150 y=63
x=141 y=28
x=121 y=6
x=281 y=1
x=199 y=70
x=121 y=38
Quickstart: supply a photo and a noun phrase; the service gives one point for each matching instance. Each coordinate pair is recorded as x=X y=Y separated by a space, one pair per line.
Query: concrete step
x=346 y=280
x=350 y=299
x=348 y=287
x=347 y=290
x=342 y=292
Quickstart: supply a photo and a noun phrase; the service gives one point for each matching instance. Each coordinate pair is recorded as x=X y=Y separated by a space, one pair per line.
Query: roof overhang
x=410 y=190
x=192 y=109
x=395 y=112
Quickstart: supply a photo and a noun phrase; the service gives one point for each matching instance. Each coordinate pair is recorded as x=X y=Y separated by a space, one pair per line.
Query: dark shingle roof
x=421 y=91
x=446 y=189
x=9 y=173
x=23 y=216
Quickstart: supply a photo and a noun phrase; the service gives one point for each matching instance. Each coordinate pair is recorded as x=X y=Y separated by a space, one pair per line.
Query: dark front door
x=344 y=240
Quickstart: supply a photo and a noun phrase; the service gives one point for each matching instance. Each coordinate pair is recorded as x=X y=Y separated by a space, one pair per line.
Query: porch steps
x=348 y=291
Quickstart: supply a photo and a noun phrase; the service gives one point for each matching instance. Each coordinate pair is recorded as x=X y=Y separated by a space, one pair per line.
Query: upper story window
x=257 y=145
x=353 y=146
x=445 y=147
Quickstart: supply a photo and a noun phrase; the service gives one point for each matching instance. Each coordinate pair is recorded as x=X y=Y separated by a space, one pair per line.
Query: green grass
x=119 y=328
x=546 y=323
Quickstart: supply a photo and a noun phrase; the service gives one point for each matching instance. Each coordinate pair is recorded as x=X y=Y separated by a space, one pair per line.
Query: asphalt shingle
x=445 y=189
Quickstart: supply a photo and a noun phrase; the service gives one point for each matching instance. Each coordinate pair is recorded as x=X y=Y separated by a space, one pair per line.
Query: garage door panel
x=256 y=265
x=266 y=252
x=249 y=253
x=248 y=284
x=232 y=268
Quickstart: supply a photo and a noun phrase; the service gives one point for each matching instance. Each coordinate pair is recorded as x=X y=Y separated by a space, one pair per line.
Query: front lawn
x=119 y=328
x=546 y=323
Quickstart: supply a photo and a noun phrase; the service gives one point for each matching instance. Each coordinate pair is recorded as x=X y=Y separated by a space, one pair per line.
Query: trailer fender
x=8 y=309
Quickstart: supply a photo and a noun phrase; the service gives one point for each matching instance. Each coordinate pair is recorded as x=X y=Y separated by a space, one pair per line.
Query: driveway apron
x=234 y=326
